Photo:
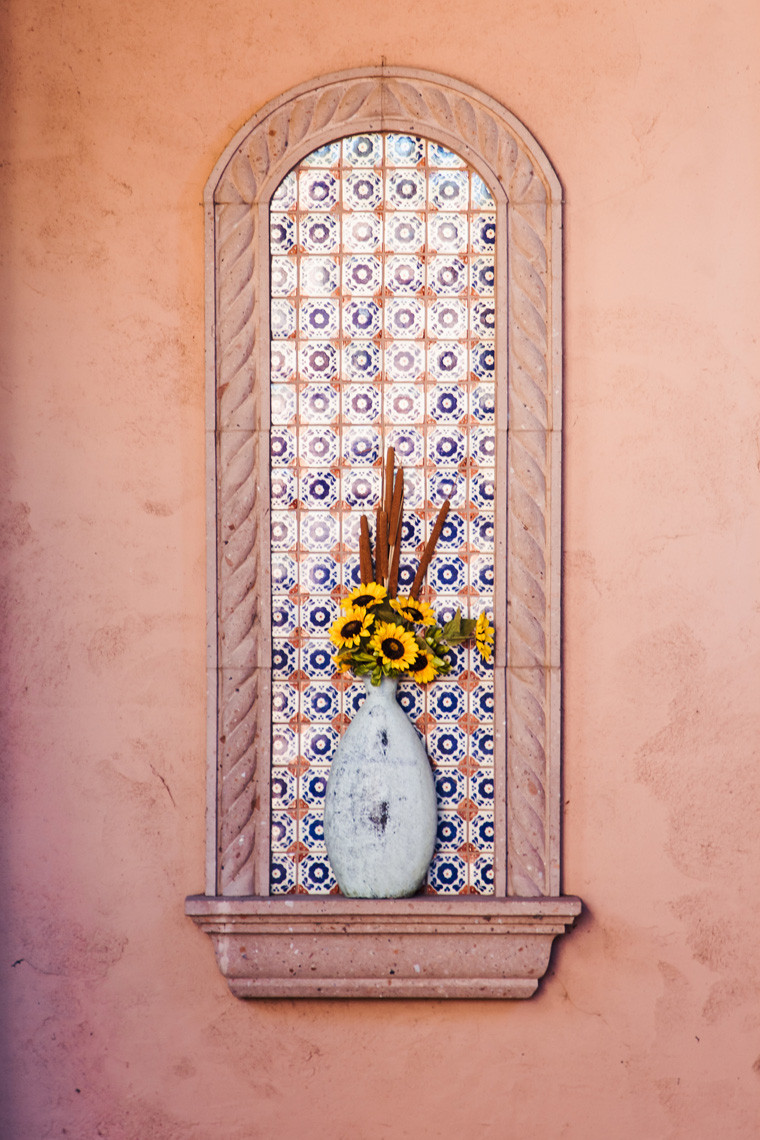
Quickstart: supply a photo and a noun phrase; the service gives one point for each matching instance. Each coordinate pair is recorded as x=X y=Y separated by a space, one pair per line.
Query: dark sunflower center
x=413 y=613
x=393 y=648
x=364 y=600
x=418 y=664
x=351 y=628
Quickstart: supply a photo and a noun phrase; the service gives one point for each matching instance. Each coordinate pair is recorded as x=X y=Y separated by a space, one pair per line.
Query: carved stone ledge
x=333 y=947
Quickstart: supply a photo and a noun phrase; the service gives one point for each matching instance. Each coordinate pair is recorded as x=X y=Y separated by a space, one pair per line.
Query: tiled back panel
x=382 y=318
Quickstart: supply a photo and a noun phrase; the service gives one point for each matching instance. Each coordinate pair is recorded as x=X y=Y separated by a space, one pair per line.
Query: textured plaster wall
x=115 y=1021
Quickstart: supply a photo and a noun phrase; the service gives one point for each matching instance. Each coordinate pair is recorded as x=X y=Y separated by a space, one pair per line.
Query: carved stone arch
x=528 y=197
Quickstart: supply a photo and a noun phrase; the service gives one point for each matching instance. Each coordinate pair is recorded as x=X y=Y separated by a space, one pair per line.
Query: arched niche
x=527 y=909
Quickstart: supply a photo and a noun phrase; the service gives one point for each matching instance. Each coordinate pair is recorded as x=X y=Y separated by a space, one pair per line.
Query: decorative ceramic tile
x=447 y=275
x=318 y=614
x=450 y=786
x=283 y=788
x=405 y=190
x=362 y=233
x=318 y=233
x=382 y=324
x=447 y=701
x=284 y=616
x=319 y=362
x=328 y=155
x=319 y=531
x=318 y=318
x=452 y=831
x=483 y=276
x=318 y=189
x=403 y=150
x=406 y=232
x=362 y=150
x=403 y=404
x=447 y=361
x=404 y=362
x=404 y=274
x=447 y=874
x=362 y=190
x=448 y=744
x=362 y=274
x=361 y=361
x=282 y=276
x=284 y=701
x=318 y=276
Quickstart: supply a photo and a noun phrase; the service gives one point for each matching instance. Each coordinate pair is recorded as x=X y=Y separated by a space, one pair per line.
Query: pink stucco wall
x=115 y=1021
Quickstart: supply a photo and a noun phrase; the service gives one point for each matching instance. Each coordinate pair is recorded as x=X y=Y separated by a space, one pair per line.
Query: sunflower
x=350 y=627
x=484 y=637
x=394 y=645
x=366 y=595
x=419 y=613
x=422 y=669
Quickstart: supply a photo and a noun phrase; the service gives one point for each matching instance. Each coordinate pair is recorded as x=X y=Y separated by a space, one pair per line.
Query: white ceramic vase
x=380 y=804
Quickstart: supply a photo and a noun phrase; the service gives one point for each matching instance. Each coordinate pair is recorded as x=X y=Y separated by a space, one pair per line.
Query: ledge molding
x=315 y=947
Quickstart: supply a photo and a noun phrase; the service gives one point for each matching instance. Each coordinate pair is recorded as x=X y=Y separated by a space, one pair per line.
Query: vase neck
x=386 y=688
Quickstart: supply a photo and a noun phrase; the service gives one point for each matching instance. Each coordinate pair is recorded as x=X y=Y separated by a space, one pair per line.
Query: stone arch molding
x=527 y=907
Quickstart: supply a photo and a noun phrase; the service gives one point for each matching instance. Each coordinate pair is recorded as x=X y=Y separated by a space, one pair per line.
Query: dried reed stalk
x=429 y=550
x=381 y=547
x=365 y=551
x=388 y=488
x=394 y=533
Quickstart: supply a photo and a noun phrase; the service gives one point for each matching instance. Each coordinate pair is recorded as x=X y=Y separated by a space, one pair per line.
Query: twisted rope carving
x=241 y=714
x=356 y=105
x=527 y=717
x=526 y=698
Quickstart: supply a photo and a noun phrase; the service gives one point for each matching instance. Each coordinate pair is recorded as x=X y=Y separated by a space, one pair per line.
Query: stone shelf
x=425 y=947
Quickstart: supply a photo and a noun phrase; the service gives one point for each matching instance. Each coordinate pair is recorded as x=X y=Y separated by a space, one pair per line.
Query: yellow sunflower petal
x=420 y=613
x=484 y=636
x=394 y=645
x=422 y=668
x=366 y=595
x=350 y=627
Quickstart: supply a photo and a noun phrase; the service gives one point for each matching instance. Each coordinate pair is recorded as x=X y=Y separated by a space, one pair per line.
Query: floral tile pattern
x=382 y=322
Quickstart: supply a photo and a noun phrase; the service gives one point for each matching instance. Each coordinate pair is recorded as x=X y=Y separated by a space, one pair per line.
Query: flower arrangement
x=379 y=634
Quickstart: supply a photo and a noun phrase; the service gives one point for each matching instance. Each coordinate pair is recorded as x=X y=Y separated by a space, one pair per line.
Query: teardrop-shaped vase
x=380 y=804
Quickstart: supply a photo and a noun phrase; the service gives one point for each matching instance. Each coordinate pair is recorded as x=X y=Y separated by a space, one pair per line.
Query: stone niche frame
x=469 y=946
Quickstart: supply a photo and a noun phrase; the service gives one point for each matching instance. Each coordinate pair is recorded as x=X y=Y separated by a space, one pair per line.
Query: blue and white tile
x=361 y=361
x=317 y=658
x=283 y=658
x=448 y=362
x=403 y=150
x=319 y=276
x=318 y=361
x=362 y=404
x=284 y=701
x=284 y=615
x=282 y=362
x=317 y=190
x=362 y=190
x=282 y=874
x=448 y=233
x=283 y=744
x=283 y=788
x=318 y=233
x=362 y=233
x=447 y=874
x=316 y=874
x=362 y=275
x=363 y=150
